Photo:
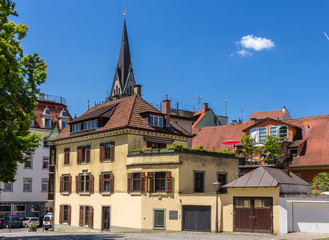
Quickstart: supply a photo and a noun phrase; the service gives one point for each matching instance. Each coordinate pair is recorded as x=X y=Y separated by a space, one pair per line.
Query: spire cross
x=125 y=10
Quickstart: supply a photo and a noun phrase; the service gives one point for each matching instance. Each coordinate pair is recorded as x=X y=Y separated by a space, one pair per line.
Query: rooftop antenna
x=199 y=101
x=88 y=103
x=226 y=102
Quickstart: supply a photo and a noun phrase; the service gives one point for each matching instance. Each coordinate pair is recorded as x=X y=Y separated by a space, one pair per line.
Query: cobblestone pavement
x=49 y=235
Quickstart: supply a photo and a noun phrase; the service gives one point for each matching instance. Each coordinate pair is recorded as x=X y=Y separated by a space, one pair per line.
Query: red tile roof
x=54 y=108
x=128 y=113
x=315 y=130
x=274 y=114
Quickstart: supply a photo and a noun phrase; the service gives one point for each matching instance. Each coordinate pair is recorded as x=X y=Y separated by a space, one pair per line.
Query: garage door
x=310 y=217
x=196 y=218
x=253 y=214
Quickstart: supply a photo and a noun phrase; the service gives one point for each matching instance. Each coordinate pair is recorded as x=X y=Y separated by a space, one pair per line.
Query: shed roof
x=266 y=177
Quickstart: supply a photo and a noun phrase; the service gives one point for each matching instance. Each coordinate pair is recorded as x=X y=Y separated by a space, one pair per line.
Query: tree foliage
x=321 y=181
x=273 y=149
x=20 y=77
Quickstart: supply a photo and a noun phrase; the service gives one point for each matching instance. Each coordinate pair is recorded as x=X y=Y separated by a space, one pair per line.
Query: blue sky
x=258 y=55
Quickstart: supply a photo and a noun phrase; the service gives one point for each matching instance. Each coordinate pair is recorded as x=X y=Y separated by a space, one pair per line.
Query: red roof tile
x=274 y=114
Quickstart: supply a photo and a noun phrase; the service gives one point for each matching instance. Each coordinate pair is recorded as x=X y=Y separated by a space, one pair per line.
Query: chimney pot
x=138 y=90
x=205 y=107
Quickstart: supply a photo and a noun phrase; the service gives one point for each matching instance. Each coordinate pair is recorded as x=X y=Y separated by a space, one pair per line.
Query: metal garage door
x=310 y=217
x=196 y=218
x=253 y=214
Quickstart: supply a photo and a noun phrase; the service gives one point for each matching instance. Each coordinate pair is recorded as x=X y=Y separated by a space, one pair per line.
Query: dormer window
x=63 y=124
x=63 y=113
x=91 y=124
x=76 y=127
x=47 y=123
x=46 y=111
x=259 y=134
x=156 y=121
x=279 y=131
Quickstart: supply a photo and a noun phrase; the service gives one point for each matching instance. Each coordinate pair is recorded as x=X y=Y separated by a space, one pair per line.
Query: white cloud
x=244 y=53
x=256 y=43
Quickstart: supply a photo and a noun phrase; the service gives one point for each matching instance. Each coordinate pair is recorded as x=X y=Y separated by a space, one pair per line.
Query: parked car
x=1 y=221
x=28 y=220
x=48 y=221
x=12 y=221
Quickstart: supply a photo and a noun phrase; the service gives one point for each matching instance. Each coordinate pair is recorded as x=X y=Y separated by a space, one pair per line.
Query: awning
x=297 y=143
x=158 y=140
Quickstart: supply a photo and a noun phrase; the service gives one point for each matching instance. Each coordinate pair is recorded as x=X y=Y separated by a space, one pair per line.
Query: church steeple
x=124 y=81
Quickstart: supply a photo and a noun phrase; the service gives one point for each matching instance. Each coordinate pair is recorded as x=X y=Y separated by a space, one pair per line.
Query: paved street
x=48 y=235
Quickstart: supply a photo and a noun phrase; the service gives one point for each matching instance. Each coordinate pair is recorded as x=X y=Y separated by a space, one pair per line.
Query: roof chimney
x=205 y=107
x=253 y=119
x=166 y=110
x=138 y=90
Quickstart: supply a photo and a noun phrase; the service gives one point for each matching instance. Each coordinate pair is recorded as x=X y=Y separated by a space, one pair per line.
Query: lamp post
x=217 y=186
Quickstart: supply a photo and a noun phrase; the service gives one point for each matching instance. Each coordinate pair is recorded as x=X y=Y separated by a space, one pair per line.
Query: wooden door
x=196 y=218
x=253 y=214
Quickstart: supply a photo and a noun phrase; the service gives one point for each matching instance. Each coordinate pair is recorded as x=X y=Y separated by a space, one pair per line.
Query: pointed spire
x=124 y=81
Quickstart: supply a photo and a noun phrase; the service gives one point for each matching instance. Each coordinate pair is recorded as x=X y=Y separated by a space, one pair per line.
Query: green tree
x=321 y=181
x=247 y=146
x=20 y=77
x=273 y=150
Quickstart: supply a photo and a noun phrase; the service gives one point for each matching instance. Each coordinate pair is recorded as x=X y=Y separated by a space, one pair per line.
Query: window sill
x=159 y=228
x=159 y=194
x=84 y=194
x=65 y=193
x=107 y=161
x=106 y=193
x=136 y=194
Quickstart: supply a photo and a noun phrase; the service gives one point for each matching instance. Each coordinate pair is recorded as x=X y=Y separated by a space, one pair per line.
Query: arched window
x=63 y=113
x=46 y=111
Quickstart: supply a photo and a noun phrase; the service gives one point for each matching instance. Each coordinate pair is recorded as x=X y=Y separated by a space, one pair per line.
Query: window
x=136 y=182
x=76 y=127
x=28 y=162
x=44 y=185
x=32 y=124
x=45 y=144
x=45 y=162
x=63 y=113
x=66 y=156
x=259 y=134
x=66 y=183
x=85 y=183
x=63 y=124
x=262 y=203
x=91 y=124
x=156 y=121
x=222 y=178
x=106 y=183
x=46 y=111
x=198 y=181
x=156 y=145
x=160 y=181
x=8 y=187
x=279 y=131
x=27 y=185
x=106 y=151
x=65 y=213
x=159 y=218
x=293 y=152
x=47 y=123
x=83 y=154
x=242 y=203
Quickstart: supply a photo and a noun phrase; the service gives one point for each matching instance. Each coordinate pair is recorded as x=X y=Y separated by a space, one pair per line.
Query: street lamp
x=217 y=186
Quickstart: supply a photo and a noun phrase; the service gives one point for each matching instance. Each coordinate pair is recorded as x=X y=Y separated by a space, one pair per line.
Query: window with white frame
x=279 y=131
x=91 y=124
x=259 y=134
x=46 y=111
x=45 y=162
x=8 y=187
x=63 y=123
x=27 y=185
x=63 y=113
x=76 y=127
x=156 y=121
x=48 y=123
x=44 y=185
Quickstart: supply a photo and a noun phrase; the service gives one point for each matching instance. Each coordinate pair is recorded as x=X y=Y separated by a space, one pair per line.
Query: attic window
x=156 y=121
x=63 y=113
x=293 y=152
x=279 y=131
x=91 y=124
x=259 y=134
x=76 y=127
x=46 y=111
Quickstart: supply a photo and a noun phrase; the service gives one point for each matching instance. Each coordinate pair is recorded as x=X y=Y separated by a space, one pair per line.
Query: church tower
x=124 y=80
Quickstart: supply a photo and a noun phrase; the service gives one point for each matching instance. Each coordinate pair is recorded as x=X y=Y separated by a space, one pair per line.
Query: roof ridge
x=319 y=116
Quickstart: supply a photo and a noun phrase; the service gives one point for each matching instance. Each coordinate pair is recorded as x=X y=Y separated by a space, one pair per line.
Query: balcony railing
x=51 y=98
